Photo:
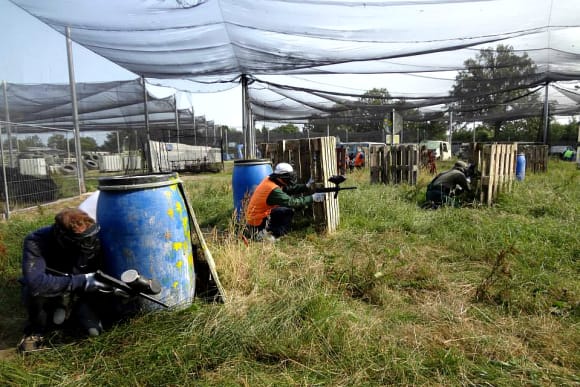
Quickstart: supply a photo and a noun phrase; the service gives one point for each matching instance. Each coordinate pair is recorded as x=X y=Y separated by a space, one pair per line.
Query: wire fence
x=33 y=174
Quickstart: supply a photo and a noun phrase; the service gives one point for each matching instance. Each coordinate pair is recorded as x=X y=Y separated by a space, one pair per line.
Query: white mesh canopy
x=100 y=106
x=215 y=41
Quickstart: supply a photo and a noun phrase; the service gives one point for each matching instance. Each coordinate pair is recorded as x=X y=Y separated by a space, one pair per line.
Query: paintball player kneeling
x=271 y=208
x=59 y=284
x=445 y=186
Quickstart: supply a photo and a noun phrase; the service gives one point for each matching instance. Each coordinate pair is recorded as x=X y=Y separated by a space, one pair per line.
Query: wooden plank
x=491 y=149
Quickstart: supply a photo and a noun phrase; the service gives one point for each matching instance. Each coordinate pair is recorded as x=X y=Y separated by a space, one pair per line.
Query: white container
x=32 y=167
x=110 y=163
x=132 y=163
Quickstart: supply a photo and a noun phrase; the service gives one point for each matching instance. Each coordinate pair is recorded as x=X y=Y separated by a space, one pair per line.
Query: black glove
x=94 y=285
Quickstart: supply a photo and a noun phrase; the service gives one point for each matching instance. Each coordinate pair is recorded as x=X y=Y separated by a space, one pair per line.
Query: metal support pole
x=393 y=128
x=177 y=127
x=8 y=125
x=148 y=155
x=77 y=131
x=118 y=144
x=450 y=126
x=327 y=127
x=249 y=150
x=227 y=146
x=194 y=129
x=546 y=114
x=4 y=179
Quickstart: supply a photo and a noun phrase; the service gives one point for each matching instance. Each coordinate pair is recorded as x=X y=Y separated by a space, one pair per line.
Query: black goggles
x=85 y=240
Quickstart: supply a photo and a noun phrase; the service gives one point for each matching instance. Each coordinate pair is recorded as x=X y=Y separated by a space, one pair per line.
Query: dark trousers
x=436 y=195
x=81 y=312
x=278 y=223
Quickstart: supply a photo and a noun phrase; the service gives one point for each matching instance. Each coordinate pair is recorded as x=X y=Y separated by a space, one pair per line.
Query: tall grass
x=397 y=296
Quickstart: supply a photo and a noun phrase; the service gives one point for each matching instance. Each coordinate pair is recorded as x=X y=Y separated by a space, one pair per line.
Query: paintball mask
x=85 y=243
x=285 y=174
x=288 y=178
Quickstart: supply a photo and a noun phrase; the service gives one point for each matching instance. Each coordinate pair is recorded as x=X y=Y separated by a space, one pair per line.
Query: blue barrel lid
x=251 y=162
x=118 y=183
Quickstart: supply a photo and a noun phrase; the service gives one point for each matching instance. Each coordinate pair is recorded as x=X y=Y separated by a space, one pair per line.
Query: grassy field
x=397 y=296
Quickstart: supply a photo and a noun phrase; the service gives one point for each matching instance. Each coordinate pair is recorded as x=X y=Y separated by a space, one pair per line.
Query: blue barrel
x=521 y=166
x=246 y=176
x=145 y=226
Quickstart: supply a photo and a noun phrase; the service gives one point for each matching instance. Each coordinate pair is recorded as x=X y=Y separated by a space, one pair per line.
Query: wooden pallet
x=394 y=164
x=316 y=158
x=497 y=165
x=268 y=151
x=536 y=157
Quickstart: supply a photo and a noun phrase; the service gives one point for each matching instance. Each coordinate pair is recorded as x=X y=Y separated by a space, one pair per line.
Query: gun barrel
x=333 y=189
x=128 y=289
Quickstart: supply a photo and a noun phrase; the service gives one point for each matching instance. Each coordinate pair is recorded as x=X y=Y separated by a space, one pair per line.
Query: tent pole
x=252 y=123
x=546 y=115
x=146 y=112
x=450 y=126
x=193 y=121
x=4 y=180
x=393 y=129
x=8 y=125
x=249 y=150
x=177 y=127
x=77 y=131
x=245 y=116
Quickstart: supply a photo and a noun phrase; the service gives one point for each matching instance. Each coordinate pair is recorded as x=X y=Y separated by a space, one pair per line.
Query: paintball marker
x=133 y=284
x=336 y=180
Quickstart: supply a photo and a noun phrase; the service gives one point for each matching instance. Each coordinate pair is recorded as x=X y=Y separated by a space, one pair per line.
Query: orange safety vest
x=358 y=160
x=258 y=209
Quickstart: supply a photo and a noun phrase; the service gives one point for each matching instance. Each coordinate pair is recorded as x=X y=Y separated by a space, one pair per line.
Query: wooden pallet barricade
x=394 y=164
x=316 y=158
x=497 y=165
x=536 y=157
x=268 y=151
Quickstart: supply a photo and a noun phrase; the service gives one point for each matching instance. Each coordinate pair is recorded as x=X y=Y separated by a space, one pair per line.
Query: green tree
x=57 y=141
x=30 y=141
x=564 y=133
x=491 y=83
x=287 y=128
x=121 y=140
x=372 y=111
x=88 y=144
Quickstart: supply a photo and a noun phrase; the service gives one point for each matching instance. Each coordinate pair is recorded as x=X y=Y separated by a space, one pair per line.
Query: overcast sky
x=32 y=52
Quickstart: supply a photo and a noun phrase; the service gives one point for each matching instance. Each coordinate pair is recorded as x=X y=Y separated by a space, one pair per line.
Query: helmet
x=283 y=168
x=284 y=173
x=461 y=166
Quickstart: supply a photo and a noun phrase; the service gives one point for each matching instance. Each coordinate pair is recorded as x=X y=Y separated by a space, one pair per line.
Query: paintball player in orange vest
x=271 y=208
x=359 y=160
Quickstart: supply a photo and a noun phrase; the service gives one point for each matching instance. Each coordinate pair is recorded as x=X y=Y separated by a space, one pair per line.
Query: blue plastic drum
x=145 y=226
x=521 y=166
x=247 y=174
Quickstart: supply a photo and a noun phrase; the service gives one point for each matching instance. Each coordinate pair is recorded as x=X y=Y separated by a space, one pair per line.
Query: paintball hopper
x=337 y=179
